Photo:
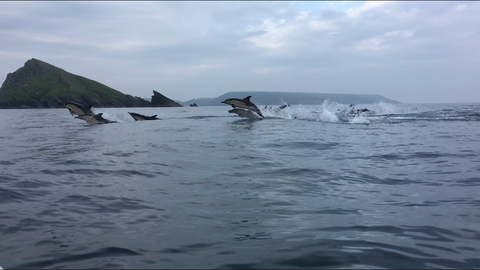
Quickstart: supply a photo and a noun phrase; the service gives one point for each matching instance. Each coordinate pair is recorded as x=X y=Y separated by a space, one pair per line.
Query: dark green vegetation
x=40 y=85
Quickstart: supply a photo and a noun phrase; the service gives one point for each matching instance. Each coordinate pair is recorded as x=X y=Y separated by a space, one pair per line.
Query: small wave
x=353 y=254
x=93 y=172
x=119 y=153
x=64 y=258
x=254 y=236
x=101 y=204
x=427 y=233
x=20 y=195
x=473 y=181
x=28 y=225
x=9 y=195
x=304 y=145
x=6 y=162
x=189 y=248
x=203 y=117
x=32 y=184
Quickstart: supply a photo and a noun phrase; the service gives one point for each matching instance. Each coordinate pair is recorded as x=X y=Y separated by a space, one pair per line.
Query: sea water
x=306 y=187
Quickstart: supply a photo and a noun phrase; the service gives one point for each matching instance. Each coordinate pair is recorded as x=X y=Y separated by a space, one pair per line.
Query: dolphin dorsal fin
x=247 y=98
x=154 y=116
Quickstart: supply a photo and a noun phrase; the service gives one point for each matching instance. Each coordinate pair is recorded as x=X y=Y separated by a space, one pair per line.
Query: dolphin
x=243 y=103
x=94 y=118
x=282 y=107
x=349 y=110
x=141 y=117
x=78 y=109
x=245 y=113
x=362 y=110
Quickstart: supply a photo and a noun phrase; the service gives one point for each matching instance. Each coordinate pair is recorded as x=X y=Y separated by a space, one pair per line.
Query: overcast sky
x=413 y=52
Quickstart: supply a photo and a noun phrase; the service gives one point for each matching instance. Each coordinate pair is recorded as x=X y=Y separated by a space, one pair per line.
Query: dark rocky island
x=40 y=85
x=159 y=100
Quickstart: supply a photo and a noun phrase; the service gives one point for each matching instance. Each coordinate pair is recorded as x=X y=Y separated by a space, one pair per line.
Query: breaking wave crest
x=332 y=112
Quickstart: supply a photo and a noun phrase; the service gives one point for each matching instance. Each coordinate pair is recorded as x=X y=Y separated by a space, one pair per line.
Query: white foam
x=360 y=120
x=326 y=115
x=333 y=112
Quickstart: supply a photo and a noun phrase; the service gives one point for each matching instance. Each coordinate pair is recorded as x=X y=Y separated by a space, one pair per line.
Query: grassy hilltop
x=41 y=85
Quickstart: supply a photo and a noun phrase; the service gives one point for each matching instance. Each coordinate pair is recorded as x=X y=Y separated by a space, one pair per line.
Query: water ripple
x=205 y=191
x=70 y=258
x=102 y=204
x=94 y=172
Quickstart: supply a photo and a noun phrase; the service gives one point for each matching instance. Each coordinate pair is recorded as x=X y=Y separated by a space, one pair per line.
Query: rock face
x=159 y=100
x=41 y=85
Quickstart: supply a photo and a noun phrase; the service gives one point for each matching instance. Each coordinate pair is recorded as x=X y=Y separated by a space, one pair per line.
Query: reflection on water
x=202 y=188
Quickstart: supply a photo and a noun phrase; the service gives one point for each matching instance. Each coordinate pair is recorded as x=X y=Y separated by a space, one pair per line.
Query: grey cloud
x=403 y=50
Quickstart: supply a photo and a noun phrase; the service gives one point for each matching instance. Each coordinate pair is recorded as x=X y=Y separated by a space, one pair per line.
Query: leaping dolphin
x=243 y=103
x=282 y=107
x=78 y=109
x=362 y=110
x=141 y=117
x=246 y=113
x=94 y=119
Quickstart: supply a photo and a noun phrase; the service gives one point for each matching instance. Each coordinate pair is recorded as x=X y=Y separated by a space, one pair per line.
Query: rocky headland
x=40 y=85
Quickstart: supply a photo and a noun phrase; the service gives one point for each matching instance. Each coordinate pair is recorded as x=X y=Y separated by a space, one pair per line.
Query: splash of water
x=330 y=112
x=360 y=119
x=326 y=115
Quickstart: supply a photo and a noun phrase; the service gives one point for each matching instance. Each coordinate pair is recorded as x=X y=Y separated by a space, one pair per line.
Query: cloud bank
x=414 y=52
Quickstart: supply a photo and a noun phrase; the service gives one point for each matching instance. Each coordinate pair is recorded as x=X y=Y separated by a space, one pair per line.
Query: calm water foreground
x=201 y=188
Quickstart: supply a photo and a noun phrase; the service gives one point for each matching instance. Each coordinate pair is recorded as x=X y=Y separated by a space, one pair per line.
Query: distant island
x=279 y=98
x=40 y=85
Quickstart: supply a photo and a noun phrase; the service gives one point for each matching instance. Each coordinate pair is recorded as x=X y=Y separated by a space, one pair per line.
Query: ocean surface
x=396 y=187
